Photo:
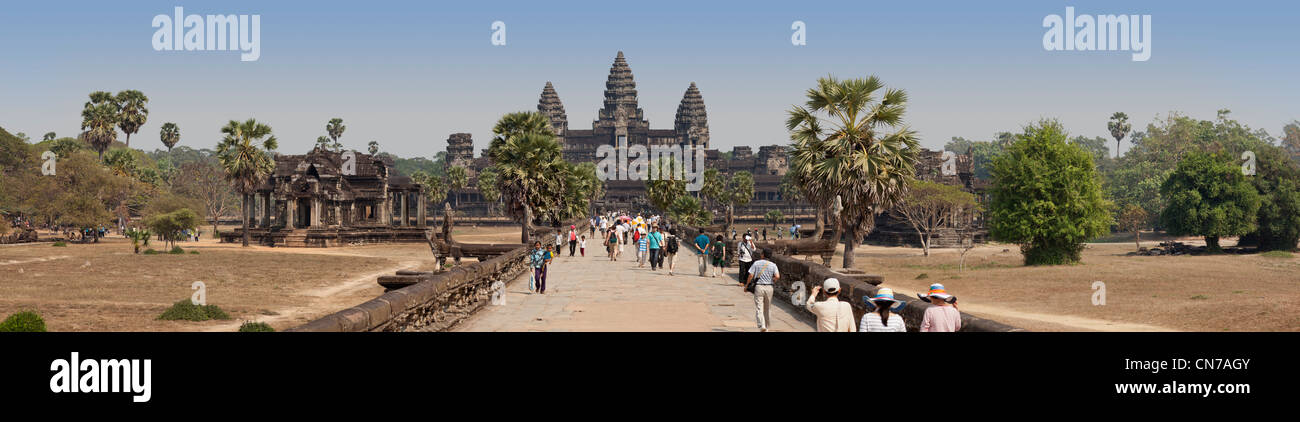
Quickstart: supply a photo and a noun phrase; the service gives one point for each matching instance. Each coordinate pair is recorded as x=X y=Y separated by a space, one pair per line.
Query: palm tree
x=373 y=148
x=245 y=163
x=457 y=179
x=335 y=130
x=487 y=187
x=1119 y=127
x=170 y=135
x=849 y=142
x=132 y=105
x=527 y=166
x=323 y=142
x=99 y=120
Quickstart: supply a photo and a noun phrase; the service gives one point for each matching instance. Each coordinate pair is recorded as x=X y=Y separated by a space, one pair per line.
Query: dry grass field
x=1162 y=293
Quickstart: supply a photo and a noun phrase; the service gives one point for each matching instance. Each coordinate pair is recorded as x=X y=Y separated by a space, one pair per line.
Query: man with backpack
x=670 y=249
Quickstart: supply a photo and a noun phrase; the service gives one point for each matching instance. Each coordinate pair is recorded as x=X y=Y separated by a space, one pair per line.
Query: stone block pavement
x=594 y=294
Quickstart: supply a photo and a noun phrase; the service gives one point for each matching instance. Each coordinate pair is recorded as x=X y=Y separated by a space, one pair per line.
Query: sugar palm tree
x=487 y=187
x=246 y=162
x=849 y=142
x=1119 y=127
x=457 y=179
x=134 y=113
x=335 y=130
x=527 y=164
x=170 y=135
x=99 y=120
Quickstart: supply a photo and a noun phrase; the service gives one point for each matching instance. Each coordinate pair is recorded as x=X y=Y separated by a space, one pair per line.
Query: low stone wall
x=439 y=302
x=853 y=287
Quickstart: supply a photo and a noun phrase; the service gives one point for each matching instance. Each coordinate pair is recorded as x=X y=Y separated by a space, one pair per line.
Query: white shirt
x=745 y=252
x=832 y=315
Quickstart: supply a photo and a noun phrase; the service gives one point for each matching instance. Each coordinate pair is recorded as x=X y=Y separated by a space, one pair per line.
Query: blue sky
x=408 y=74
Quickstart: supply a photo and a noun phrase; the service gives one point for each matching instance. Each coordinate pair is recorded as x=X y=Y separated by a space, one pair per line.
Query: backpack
x=671 y=244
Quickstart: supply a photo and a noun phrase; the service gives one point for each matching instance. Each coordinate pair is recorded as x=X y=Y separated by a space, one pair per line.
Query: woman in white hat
x=832 y=315
x=881 y=316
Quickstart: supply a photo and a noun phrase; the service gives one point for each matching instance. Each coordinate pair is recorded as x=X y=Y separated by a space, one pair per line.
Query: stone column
x=420 y=212
x=291 y=214
x=315 y=212
x=406 y=216
x=266 y=210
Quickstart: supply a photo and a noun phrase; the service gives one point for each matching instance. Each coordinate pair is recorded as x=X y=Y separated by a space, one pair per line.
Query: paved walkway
x=594 y=294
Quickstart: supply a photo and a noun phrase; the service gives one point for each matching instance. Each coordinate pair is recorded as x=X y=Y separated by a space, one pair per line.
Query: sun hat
x=936 y=290
x=831 y=285
x=884 y=297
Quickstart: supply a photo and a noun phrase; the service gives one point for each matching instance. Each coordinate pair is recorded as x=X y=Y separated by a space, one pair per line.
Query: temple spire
x=550 y=106
x=620 y=96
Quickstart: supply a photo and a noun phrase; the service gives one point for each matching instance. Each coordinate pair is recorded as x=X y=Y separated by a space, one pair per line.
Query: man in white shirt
x=832 y=315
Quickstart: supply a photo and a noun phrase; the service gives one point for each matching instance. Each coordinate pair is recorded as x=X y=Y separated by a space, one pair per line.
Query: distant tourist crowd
x=655 y=241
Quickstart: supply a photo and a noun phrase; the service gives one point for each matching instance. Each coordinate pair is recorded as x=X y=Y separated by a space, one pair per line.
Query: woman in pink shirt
x=943 y=317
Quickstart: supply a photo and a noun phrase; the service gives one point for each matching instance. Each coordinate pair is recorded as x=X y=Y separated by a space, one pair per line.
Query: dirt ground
x=1143 y=293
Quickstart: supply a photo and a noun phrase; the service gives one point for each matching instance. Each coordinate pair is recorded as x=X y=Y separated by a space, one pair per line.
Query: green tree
x=775 y=217
x=1208 y=196
x=1046 y=196
x=335 y=130
x=170 y=134
x=663 y=191
x=1291 y=139
x=433 y=187
x=457 y=179
x=99 y=120
x=1119 y=128
x=134 y=112
x=930 y=206
x=373 y=147
x=246 y=162
x=687 y=210
x=170 y=226
x=323 y=142
x=1096 y=146
x=49 y=136
x=1277 y=180
x=849 y=141
x=487 y=188
x=714 y=189
x=525 y=177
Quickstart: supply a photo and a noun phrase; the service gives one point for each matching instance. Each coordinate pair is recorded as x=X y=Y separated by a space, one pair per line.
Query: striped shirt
x=640 y=244
x=763 y=271
x=871 y=323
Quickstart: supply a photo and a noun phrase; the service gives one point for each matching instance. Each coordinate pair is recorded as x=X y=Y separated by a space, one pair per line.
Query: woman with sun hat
x=881 y=316
x=943 y=317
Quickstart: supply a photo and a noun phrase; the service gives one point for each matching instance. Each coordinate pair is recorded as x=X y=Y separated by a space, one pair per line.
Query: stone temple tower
x=692 y=122
x=620 y=110
x=551 y=107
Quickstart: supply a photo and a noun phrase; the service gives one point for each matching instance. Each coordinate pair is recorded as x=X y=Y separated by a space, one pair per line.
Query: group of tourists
x=655 y=241
x=833 y=315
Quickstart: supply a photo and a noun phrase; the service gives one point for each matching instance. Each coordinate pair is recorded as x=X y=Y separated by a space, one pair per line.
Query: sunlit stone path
x=593 y=294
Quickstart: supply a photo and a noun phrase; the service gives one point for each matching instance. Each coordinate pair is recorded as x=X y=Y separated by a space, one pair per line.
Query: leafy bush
x=255 y=327
x=176 y=250
x=188 y=311
x=150 y=251
x=60 y=244
x=1046 y=196
x=1209 y=197
x=922 y=276
x=23 y=322
x=194 y=252
x=1277 y=254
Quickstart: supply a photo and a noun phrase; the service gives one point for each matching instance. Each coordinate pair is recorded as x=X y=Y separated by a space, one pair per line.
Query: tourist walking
x=718 y=255
x=761 y=281
x=537 y=260
x=611 y=244
x=670 y=247
x=881 y=316
x=832 y=315
x=702 y=252
x=654 y=241
x=745 y=256
x=642 y=248
x=573 y=239
x=943 y=317
x=582 y=245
